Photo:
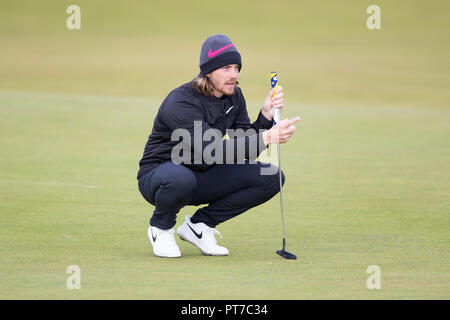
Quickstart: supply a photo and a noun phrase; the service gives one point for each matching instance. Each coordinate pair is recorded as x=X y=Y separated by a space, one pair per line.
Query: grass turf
x=360 y=190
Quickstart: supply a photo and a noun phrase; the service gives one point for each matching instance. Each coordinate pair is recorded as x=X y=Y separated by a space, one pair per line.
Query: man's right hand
x=281 y=132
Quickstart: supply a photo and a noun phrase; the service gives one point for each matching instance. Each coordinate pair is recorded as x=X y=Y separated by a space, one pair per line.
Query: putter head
x=286 y=255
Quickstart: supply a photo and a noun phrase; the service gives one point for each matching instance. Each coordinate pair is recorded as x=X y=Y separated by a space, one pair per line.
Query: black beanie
x=218 y=51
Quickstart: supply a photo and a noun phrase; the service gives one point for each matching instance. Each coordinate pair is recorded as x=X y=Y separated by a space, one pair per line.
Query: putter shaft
x=281 y=196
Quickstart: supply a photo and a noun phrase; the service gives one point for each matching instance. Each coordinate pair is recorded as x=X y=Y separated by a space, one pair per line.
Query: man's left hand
x=272 y=102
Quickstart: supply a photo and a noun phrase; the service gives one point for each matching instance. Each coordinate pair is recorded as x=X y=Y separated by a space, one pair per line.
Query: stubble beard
x=224 y=92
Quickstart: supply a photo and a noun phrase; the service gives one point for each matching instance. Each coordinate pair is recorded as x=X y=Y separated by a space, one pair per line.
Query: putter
x=276 y=116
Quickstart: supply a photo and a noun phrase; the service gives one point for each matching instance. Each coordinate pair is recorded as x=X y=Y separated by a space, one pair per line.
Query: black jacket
x=182 y=107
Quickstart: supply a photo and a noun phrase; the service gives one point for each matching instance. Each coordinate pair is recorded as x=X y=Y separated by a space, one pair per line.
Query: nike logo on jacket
x=182 y=108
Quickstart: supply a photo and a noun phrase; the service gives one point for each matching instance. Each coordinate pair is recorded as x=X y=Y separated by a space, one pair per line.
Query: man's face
x=224 y=80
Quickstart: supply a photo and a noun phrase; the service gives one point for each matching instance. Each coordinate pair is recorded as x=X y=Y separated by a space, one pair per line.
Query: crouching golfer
x=186 y=161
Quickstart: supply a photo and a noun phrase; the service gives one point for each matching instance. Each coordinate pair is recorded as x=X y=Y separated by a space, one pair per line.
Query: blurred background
x=323 y=50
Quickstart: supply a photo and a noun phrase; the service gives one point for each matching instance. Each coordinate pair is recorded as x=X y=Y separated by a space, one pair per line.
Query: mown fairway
x=367 y=172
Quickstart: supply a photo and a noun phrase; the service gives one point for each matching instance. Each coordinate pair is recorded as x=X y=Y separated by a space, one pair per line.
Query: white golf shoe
x=163 y=242
x=201 y=236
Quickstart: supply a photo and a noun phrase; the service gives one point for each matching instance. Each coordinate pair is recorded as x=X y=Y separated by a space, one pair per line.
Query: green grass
x=364 y=186
x=368 y=170
x=322 y=50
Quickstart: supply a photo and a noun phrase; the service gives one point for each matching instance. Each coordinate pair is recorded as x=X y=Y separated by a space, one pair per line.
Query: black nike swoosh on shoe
x=153 y=237
x=198 y=235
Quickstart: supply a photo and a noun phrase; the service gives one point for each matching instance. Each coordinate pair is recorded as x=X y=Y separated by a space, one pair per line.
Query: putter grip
x=274 y=84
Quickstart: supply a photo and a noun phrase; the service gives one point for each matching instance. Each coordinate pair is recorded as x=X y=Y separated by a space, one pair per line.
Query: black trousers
x=229 y=189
